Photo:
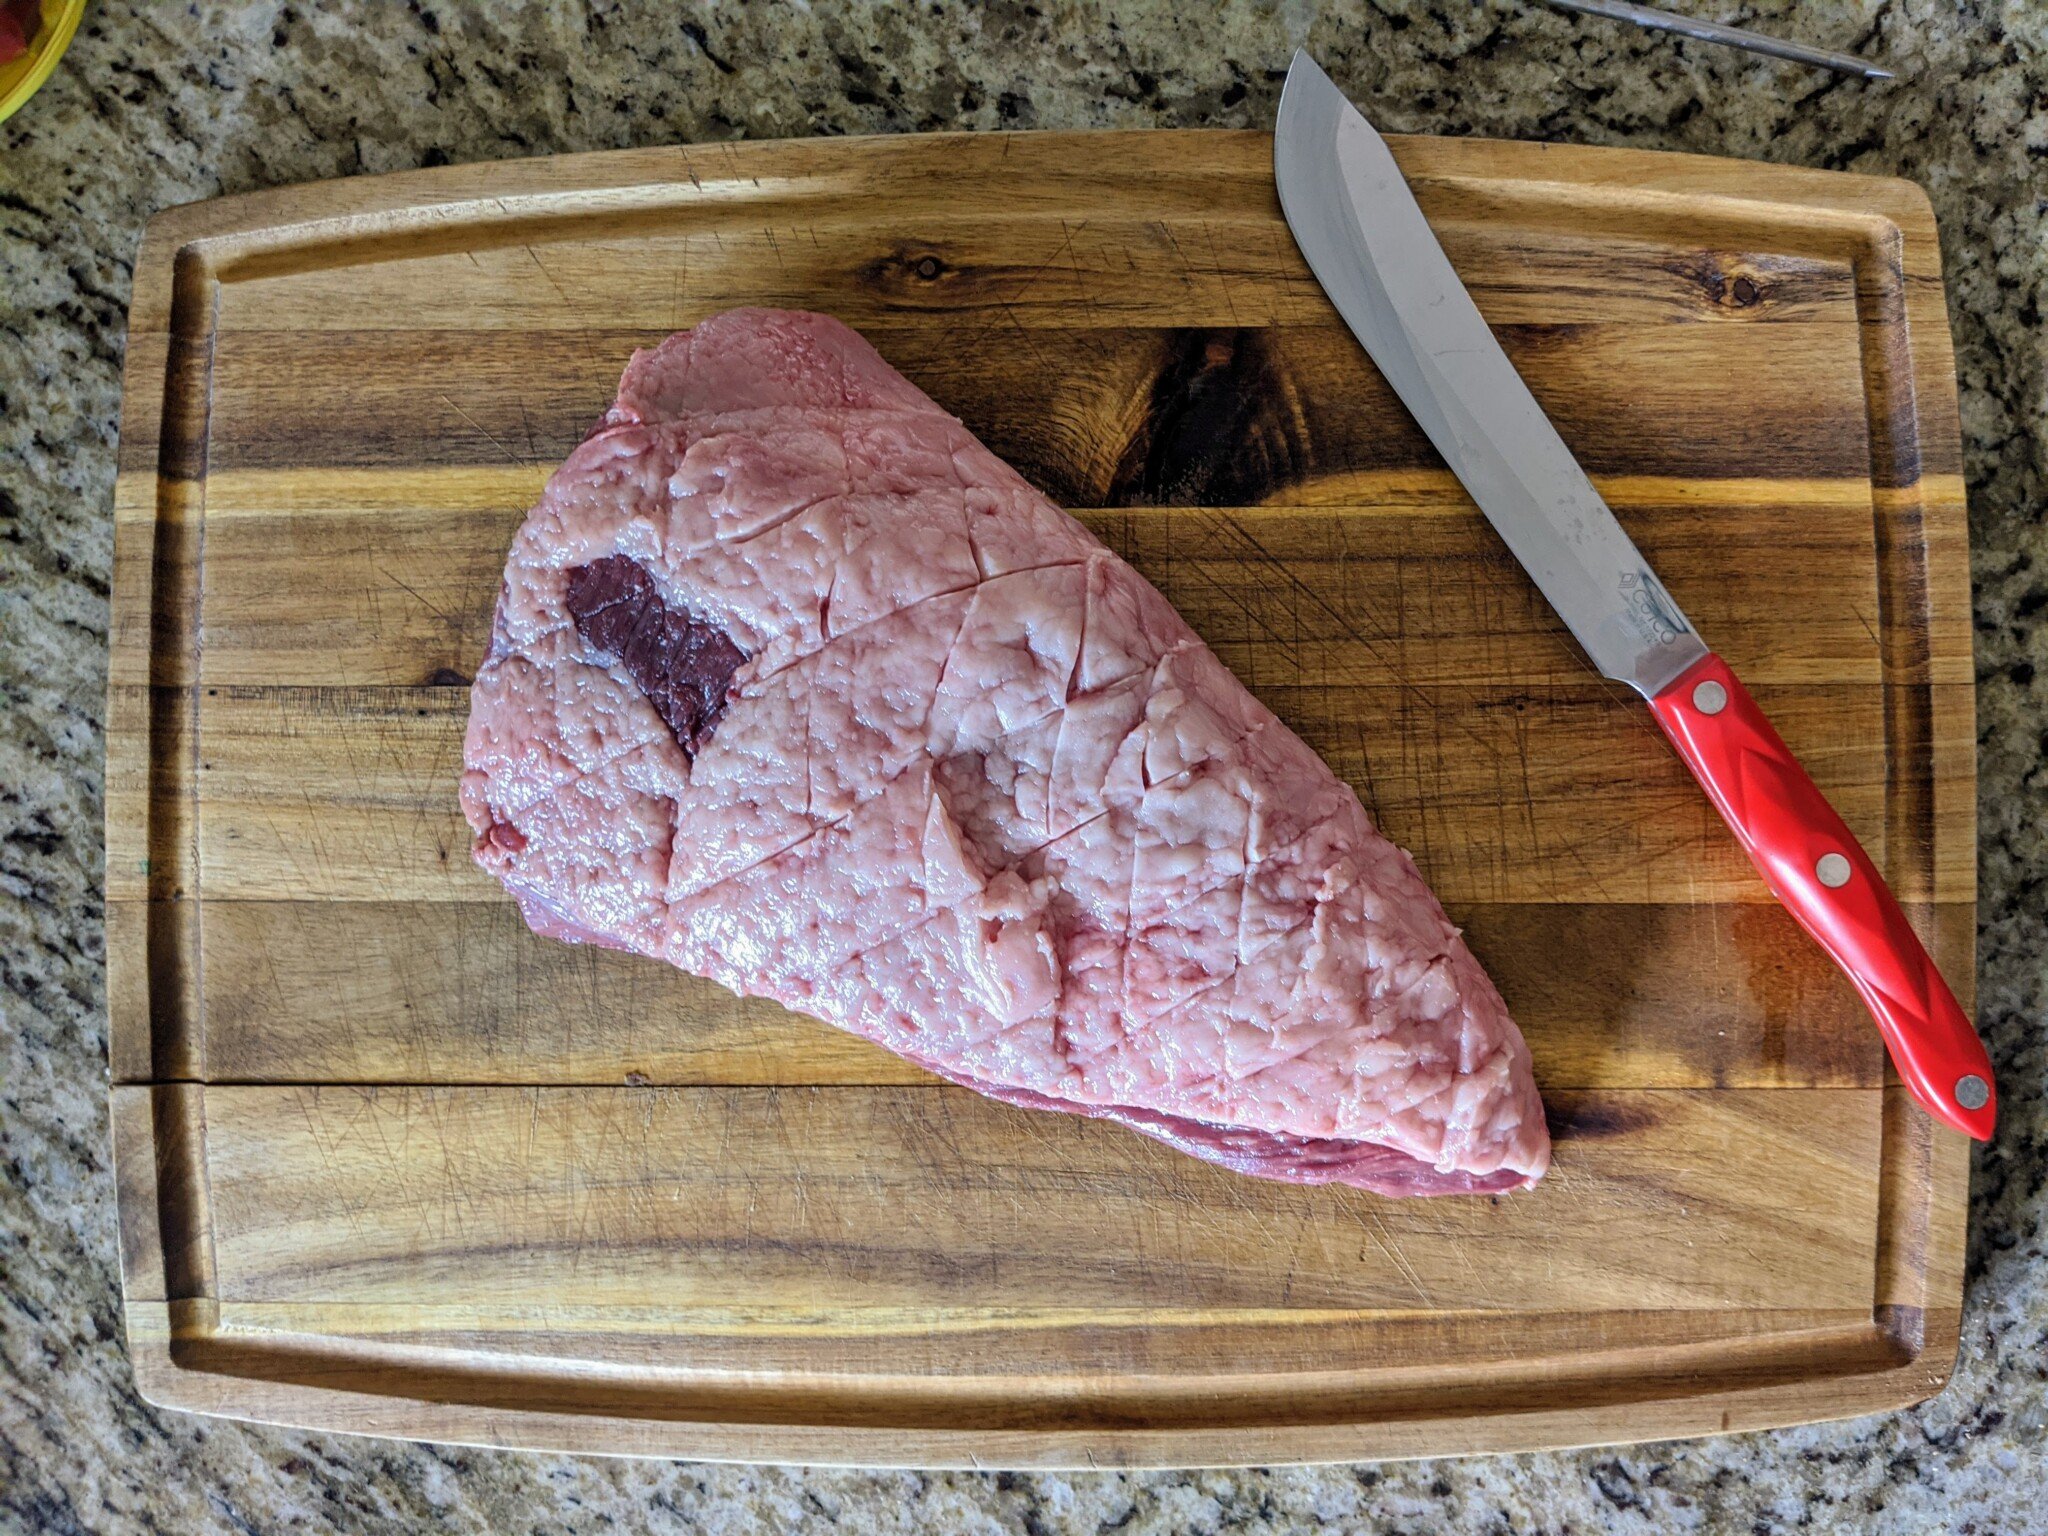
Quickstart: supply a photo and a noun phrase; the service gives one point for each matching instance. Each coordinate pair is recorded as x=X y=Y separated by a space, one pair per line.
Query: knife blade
x=1370 y=247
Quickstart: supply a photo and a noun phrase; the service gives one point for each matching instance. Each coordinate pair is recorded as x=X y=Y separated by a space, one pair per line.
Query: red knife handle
x=1815 y=866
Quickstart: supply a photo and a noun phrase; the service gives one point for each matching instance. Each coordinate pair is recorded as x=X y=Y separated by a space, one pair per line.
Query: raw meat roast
x=795 y=685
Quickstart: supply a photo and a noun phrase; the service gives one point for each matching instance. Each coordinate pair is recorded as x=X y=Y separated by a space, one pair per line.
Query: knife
x=1366 y=240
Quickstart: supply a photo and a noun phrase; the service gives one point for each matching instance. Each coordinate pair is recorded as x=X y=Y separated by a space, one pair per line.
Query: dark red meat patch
x=683 y=665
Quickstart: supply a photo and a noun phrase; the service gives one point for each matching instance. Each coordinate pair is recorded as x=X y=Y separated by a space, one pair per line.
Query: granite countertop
x=163 y=104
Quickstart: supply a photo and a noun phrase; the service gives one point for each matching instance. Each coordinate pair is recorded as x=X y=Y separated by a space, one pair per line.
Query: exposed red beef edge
x=1260 y=1154
x=1265 y=1154
x=684 y=665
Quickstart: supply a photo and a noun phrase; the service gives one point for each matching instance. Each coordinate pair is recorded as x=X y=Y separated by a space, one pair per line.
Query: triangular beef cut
x=795 y=685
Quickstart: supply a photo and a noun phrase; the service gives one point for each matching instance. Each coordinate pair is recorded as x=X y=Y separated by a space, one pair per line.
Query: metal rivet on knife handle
x=1972 y=1092
x=1710 y=698
x=1833 y=870
x=1733 y=37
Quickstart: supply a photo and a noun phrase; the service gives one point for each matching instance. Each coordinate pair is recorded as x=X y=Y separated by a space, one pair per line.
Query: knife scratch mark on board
x=1187 y=279
x=511 y=457
x=1081 y=285
x=1391 y=1247
x=1529 y=820
x=1351 y=631
x=327 y=1151
x=1222 y=277
x=418 y=596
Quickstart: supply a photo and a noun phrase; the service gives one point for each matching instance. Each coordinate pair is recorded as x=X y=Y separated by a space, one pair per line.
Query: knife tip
x=1306 y=80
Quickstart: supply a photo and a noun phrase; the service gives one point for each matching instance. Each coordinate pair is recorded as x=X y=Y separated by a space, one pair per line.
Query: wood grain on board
x=387 y=1162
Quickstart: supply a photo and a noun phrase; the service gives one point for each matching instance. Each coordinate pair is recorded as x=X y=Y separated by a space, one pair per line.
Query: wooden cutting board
x=388 y=1163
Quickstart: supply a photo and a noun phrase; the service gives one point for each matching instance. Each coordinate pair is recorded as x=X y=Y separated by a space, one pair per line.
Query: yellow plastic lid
x=21 y=78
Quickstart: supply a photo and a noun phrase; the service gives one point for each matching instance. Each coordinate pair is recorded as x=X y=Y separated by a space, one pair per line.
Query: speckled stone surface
x=161 y=104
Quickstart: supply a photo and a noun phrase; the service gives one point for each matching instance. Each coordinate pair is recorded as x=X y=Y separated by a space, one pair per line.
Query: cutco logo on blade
x=1650 y=613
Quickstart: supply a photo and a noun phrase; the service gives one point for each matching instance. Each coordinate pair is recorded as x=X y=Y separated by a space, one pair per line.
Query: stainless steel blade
x=1368 y=244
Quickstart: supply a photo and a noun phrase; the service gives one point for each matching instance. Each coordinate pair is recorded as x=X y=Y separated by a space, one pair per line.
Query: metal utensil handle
x=1734 y=37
